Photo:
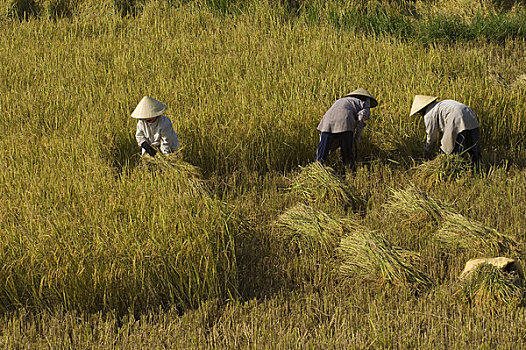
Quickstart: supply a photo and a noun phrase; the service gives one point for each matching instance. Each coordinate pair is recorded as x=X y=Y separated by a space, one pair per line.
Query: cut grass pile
x=319 y=184
x=453 y=230
x=442 y=168
x=417 y=206
x=368 y=255
x=308 y=227
x=188 y=176
x=457 y=231
x=488 y=286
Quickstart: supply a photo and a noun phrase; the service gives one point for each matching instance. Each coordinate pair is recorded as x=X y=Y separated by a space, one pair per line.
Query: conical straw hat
x=148 y=108
x=365 y=93
x=420 y=102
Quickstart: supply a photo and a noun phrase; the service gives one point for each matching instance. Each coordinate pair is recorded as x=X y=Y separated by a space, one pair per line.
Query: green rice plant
x=490 y=287
x=417 y=206
x=308 y=227
x=318 y=183
x=368 y=255
x=444 y=168
x=460 y=232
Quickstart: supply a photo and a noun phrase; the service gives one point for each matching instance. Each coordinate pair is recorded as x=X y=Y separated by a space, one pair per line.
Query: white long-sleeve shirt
x=159 y=134
x=448 y=117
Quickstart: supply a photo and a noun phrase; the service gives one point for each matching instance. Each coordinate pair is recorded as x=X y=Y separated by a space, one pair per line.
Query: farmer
x=342 y=126
x=154 y=131
x=456 y=122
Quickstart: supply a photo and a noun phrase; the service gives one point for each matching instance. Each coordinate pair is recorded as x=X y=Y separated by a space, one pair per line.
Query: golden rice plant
x=367 y=254
x=492 y=287
x=318 y=183
x=417 y=206
x=461 y=232
x=308 y=227
x=442 y=168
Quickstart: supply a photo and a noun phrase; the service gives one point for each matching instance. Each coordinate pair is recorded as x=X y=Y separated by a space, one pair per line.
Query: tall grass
x=77 y=236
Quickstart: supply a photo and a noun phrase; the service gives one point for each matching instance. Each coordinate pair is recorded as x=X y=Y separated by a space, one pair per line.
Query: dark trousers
x=469 y=141
x=331 y=141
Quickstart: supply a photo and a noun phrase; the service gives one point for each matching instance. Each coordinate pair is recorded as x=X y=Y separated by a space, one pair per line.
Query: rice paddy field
x=239 y=240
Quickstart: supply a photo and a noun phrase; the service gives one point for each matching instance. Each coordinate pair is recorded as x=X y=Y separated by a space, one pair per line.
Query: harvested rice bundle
x=308 y=227
x=442 y=168
x=459 y=231
x=368 y=255
x=318 y=183
x=490 y=286
x=172 y=161
x=187 y=176
x=417 y=206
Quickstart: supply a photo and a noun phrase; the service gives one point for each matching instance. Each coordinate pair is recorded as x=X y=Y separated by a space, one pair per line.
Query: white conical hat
x=420 y=102
x=148 y=108
x=365 y=93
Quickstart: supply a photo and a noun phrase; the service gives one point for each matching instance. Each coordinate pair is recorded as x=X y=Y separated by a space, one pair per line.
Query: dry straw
x=308 y=227
x=492 y=287
x=318 y=183
x=368 y=255
x=459 y=231
x=442 y=168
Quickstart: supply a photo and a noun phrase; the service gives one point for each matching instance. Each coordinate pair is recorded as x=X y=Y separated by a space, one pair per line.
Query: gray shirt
x=448 y=117
x=346 y=114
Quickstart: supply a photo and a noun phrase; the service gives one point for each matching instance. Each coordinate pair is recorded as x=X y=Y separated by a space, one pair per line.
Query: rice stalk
x=318 y=183
x=460 y=232
x=444 y=168
x=308 y=227
x=368 y=255
x=417 y=206
x=172 y=165
x=492 y=287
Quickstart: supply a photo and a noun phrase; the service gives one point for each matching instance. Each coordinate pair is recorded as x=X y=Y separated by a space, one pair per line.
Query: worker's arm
x=142 y=141
x=431 y=130
x=169 y=139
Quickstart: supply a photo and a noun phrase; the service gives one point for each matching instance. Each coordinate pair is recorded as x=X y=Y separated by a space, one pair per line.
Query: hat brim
x=154 y=115
x=421 y=103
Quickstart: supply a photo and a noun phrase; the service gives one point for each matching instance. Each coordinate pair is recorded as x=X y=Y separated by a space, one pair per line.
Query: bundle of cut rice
x=491 y=287
x=173 y=167
x=318 y=183
x=308 y=227
x=459 y=231
x=368 y=255
x=172 y=161
x=417 y=206
x=442 y=168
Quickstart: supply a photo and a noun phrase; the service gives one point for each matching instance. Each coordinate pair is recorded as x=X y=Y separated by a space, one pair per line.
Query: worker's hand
x=148 y=148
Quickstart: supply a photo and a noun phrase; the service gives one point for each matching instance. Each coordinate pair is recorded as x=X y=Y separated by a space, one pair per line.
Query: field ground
x=102 y=249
